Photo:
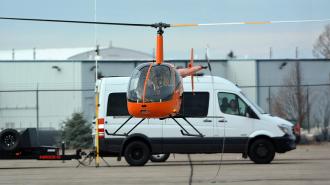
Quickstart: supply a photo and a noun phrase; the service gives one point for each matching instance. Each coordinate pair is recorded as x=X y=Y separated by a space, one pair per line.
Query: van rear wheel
x=137 y=153
x=158 y=158
x=262 y=151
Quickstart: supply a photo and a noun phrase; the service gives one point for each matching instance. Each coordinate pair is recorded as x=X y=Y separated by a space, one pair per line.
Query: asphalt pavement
x=308 y=164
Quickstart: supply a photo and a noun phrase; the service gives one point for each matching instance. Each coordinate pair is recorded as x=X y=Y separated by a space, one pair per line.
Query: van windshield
x=259 y=109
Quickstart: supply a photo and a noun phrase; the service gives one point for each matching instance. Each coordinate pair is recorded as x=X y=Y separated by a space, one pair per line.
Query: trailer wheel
x=137 y=153
x=262 y=151
x=158 y=158
x=9 y=139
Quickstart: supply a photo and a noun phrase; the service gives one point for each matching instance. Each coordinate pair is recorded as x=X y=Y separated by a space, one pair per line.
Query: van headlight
x=286 y=129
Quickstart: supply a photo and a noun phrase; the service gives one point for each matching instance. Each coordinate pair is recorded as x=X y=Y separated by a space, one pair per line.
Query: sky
x=247 y=41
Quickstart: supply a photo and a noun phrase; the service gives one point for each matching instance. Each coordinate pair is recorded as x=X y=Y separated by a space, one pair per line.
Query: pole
x=37 y=109
x=97 y=52
x=308 y=110
x=63 y=150
x=269 y=101
x=34 y=54
x=13 y=54
x=297 y=53
x=97 y=142
x=299 y=95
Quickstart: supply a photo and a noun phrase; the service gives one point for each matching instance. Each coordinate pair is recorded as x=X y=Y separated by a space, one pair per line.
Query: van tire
x=9 y=140
x=159 y=158
x=137 y=153
x=262 y=151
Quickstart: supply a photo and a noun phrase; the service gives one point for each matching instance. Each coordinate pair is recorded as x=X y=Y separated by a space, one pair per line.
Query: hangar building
x=47 y=92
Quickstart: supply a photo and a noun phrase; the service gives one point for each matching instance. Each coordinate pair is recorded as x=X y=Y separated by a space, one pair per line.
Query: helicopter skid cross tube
x=135 y=126
x=121 y=126
x=115 y=133
x=184 y=118
x=184 y=131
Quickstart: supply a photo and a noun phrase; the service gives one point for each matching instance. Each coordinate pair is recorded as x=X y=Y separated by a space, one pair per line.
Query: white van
x=218 y=109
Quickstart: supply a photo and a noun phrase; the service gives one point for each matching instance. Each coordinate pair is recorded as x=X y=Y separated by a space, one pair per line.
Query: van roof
x=219 y=83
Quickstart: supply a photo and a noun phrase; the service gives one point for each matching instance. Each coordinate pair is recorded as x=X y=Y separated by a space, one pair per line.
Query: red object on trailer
x=39 y=153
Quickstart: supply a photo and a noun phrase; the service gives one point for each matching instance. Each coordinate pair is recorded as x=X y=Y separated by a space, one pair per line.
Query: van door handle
x=222 y=120
x=207 y=120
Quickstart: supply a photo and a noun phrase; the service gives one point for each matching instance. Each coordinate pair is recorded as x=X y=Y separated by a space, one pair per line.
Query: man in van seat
x=233 y=109
x=224 y=105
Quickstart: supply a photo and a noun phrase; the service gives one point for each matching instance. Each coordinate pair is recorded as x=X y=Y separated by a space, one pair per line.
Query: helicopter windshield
x=159 y=86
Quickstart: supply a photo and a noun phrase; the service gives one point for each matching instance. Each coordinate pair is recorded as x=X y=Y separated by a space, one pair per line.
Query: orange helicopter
x=155 y=89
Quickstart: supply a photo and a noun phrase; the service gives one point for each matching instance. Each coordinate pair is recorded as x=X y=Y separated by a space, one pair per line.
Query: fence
x=43 y=108
x=47 y=108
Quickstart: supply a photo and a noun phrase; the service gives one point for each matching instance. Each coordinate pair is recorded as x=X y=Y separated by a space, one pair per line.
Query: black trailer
x=25 y=145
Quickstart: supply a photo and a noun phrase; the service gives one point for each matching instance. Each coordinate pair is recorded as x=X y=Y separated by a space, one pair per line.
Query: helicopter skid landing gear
x=121 y=126
x=184 y=131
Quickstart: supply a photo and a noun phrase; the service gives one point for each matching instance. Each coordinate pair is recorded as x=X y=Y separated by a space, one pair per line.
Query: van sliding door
x=195 y=107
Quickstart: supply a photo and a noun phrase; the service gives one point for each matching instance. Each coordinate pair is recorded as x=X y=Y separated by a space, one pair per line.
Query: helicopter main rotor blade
x=250 y=23
x=164 y=25
x=77 y=22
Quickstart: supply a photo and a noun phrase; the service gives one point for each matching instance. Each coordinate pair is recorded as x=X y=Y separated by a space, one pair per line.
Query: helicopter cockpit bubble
x=158 y=86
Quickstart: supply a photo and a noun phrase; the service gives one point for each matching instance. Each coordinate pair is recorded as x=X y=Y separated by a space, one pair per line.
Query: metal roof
x=112 y=53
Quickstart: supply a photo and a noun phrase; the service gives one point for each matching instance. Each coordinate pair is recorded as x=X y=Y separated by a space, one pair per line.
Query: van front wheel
x=262 y=151
x=158 y=158
x=137 y=153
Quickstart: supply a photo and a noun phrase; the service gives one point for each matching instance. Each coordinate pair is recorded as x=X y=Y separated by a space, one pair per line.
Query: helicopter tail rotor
x=190 y=65
x=207 y=60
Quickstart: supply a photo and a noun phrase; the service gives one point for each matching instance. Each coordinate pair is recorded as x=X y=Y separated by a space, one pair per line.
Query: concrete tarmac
x=305 y=165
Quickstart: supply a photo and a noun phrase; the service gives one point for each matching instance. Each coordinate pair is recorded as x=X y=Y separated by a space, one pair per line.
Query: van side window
x=117 y=105
x=232 y=104
x=195 y=105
